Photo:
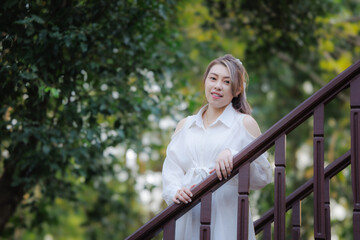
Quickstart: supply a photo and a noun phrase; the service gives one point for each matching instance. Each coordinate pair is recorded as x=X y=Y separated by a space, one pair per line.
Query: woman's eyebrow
x=218 y=75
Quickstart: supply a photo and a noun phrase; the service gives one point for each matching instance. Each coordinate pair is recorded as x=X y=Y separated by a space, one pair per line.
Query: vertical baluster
x=319 y=210
x=243 y=202
x=296 y=220
x=327 y=209
x=205 y=217
x=355 y=152
x=169 y=230
x=267 y=231
x=280 y=200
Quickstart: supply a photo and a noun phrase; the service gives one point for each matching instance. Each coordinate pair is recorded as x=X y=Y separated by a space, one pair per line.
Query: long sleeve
x=172 y=172
x=260 y=172
x=260 y=169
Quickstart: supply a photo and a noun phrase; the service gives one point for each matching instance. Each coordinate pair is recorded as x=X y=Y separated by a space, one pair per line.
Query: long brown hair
x=238 y=76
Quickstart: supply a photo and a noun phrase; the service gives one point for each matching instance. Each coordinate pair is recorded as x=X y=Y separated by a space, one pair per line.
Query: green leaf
x=28 y=75
x=55 y=92
x=46 y=149
x=37 y=19
x=83 y=47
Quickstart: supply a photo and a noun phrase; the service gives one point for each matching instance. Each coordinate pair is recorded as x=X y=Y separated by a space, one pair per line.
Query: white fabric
x=191 y=154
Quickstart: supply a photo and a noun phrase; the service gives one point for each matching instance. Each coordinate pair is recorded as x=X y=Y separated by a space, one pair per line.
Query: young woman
x=205 y=143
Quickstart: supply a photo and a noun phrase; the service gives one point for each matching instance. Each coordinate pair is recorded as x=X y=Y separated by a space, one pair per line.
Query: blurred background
x=91 y=92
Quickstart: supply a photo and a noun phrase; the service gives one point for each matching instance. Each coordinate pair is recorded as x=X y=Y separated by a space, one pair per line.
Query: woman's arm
x=260 y=169
x=173 y=173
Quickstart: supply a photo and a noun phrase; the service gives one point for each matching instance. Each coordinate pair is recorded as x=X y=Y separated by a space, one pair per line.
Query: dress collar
x=226 y=118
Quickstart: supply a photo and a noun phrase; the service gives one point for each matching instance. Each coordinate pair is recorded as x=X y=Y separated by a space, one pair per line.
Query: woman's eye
x=227 y=82
x=212 y=78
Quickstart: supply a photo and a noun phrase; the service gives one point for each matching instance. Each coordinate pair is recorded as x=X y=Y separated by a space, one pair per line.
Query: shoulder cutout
x=252 y=126
x=180 y=125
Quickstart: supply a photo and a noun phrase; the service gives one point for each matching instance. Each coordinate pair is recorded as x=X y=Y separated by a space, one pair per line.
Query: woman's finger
x=231 y=162
x=218 y=171
x=185 y=196
x=178 y=198
x=228 y=169
x=229 y=158
x=181 y=198
x=223 y=169
x=175 y=200
x=188 y=194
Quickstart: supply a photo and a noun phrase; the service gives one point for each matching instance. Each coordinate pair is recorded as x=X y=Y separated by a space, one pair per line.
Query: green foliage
x=77 y=77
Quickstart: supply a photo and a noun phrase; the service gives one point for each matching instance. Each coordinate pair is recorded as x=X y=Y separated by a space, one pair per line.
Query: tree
x=76 y=78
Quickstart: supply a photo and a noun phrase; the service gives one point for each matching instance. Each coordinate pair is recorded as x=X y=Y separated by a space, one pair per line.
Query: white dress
x=190 y=156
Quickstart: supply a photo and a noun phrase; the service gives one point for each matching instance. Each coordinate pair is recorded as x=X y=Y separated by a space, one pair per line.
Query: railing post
x=205 y=217
x=243 y=203
x=267 y=231
x=319 y=209
x=296 y=220
x=169 y=230
x=327 y=209
x=355 y=152
x=280 y=200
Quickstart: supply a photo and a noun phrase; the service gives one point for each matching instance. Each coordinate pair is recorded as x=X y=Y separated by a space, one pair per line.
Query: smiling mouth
x=216 y=94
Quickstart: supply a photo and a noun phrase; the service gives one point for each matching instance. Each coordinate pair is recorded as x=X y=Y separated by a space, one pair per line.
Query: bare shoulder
x=252 y=126
x=180 y=125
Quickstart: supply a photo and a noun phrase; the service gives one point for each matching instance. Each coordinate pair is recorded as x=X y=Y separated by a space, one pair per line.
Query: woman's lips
x=216 y=95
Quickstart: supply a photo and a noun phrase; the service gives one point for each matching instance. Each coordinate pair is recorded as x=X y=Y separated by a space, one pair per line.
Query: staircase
x=319 y=185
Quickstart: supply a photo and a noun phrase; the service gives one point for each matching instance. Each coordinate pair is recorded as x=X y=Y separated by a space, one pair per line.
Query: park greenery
x=91 y=92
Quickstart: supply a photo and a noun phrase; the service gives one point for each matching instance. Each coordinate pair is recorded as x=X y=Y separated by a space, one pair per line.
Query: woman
x=205 y=143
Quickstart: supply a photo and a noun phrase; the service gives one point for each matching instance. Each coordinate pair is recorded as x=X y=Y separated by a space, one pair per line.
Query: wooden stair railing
x=314 y=105
x=294 y=199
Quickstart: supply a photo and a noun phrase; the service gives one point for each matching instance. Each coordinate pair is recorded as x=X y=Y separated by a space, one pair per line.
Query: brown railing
x=277 y=135
x=294 y=199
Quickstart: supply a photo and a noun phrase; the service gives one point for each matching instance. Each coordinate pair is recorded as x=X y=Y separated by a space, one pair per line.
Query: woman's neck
x=211 y=114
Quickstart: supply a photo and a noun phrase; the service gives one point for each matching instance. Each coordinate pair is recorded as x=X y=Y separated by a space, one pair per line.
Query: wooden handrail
x=304 y=190
x=253 y=150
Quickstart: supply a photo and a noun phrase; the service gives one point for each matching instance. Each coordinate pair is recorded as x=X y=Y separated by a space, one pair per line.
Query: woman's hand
x=183 y=194
x=224 y=164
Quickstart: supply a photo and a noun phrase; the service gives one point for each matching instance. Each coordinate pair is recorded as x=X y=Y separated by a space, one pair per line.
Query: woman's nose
x=218 y=85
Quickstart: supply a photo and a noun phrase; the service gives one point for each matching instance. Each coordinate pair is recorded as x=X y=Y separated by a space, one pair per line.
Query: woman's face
x=218 y=86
